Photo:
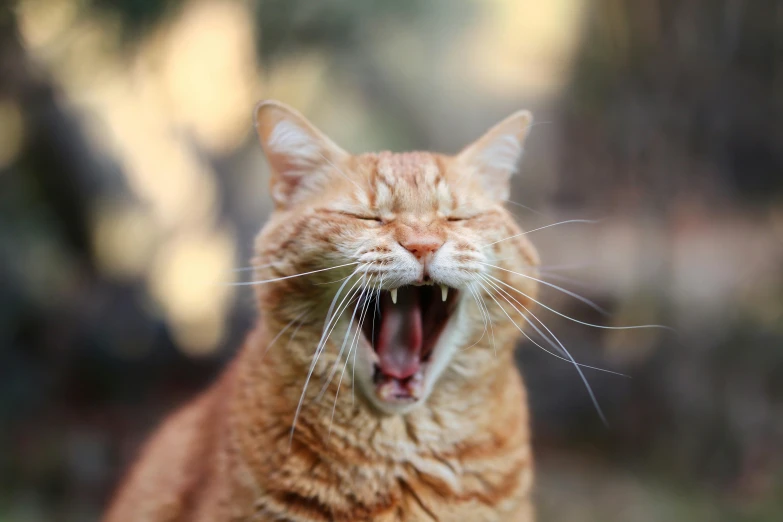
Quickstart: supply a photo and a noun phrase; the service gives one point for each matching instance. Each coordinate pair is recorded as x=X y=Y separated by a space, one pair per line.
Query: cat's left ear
x=494 y=157
x=299 y=155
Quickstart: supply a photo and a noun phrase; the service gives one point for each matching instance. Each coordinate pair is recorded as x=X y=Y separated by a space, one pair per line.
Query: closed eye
x=363 y=217
x=462 y=215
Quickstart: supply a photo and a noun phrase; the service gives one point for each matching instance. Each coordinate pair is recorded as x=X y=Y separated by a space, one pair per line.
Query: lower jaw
x=397 y=392
x=386 y=395
x=395 y=383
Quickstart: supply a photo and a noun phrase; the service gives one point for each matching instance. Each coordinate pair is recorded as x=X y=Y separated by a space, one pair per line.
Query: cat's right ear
x=299 y=155
x=494 y=157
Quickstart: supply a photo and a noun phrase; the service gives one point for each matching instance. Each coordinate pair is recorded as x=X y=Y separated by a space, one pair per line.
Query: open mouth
x=403 y=326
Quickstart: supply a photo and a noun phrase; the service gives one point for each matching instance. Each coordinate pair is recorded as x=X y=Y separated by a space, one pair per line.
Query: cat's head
x=399 y=253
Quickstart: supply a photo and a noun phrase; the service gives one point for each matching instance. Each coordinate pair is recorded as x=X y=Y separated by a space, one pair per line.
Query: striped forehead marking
x=413 y=168
x=410 y=182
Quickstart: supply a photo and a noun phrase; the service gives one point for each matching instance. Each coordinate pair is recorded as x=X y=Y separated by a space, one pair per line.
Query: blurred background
x=131 y=186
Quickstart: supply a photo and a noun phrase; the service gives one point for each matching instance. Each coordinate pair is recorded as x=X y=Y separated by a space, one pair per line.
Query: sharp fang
x=444 y=292
x=393 y=293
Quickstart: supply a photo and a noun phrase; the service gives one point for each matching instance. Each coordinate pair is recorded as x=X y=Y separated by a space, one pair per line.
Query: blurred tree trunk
x=681 y=102
x=664 y=87
x=56 y=159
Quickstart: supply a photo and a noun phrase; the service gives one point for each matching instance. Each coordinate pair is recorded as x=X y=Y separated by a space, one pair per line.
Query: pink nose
x=422 y=245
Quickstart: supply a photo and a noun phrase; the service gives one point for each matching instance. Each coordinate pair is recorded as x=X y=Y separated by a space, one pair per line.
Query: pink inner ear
x=286 y=177
x=297 y=152
x=287 y=168
x=496 y=155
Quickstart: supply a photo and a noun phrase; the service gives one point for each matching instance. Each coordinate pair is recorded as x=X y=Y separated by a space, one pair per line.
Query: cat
x=379 y=382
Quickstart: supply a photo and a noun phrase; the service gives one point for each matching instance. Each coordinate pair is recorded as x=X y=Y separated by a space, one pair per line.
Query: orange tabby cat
x=379 y=383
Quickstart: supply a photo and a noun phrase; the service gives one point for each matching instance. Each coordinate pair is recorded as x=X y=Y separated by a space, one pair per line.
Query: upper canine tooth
x=444 y=292
x=393 y=293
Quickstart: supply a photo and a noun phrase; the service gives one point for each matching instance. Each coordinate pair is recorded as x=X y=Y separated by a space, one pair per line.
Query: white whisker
x=342 y=278
x=345 y=340
x=585 y=300
x=590 y=221
x=573 y=361
x=291 y=276
x=334 y=300
x=341 y=308
x=540 y=333
x=570 y=280
x=534 y=211
x=632 y=327
x=339 y=171
x=282 y=331
x=372 y=337
x=578 y=369
x=293 y=334
x=489 y=318
x=475 y=298
x=318 y=350
x=353 y=347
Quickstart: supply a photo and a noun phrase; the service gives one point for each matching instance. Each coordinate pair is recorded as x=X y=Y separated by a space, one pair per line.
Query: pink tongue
x=400 y=337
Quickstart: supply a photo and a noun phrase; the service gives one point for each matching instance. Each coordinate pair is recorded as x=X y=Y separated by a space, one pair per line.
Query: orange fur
x=460 y=453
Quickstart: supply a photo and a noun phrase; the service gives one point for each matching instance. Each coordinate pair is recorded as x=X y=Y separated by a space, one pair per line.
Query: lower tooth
x=444 y=292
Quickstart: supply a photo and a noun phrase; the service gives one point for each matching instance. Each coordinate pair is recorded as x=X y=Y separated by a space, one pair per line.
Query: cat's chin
x=408 y=341
x=392 y=396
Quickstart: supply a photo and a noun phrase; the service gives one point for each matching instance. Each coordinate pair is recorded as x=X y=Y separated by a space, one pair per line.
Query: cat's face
x=400 y=246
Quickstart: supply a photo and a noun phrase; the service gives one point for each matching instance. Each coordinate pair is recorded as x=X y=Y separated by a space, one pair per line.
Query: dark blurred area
x=131 y=186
